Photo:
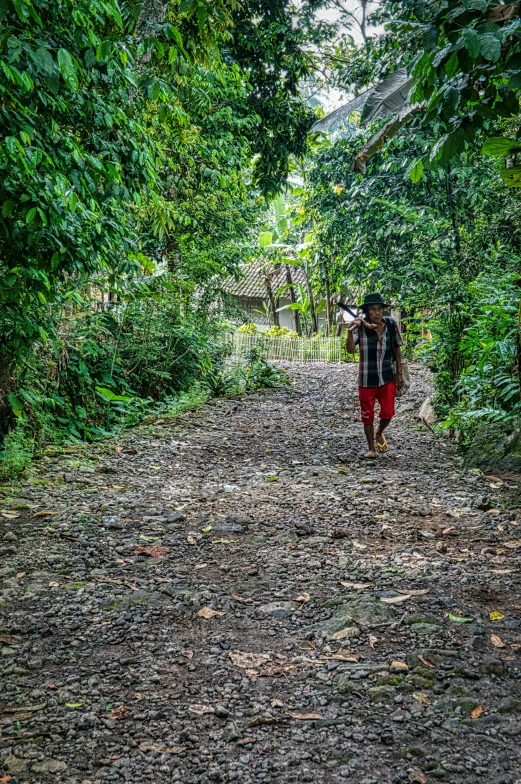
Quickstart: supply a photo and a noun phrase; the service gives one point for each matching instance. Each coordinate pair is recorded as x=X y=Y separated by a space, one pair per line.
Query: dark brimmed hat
x=373 y=299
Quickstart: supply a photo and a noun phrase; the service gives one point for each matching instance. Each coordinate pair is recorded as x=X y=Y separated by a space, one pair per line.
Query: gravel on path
x=235 y=596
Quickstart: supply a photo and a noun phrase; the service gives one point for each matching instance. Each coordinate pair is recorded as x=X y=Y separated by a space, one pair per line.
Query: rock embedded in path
x=365 y=611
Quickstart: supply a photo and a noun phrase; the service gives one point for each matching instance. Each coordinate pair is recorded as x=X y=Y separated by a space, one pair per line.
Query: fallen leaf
x=277 y=704
x=417 y=776
x=16 y=717
x=201 y=566
x=129 y=451
x=497 y=642
x=206 y=612
x=5 y=779
x=260 y=720
x=345 y=634
x=117 y=713
x=246 y=660
x=447 y=531
x=395 y=599
x=396 y=665
x=206 y=529
x=501 y=571
x=496 y=616
x=187 y=653
x=245 y=741
x=8 y=639
x=427 y=663
x=255 y=673
x=12 y=515
x=459 y=619
x=20 y=575
x=191 y=540
x=44 y=513
x=54 y=585
x=241 y=599
x=344 y=656
x=476 y=713
x=201 y=710
x=25 y=708
x=306 y=716
x=421 y=697
x=356 y=586
x=74 y=705
x=272 y=479
x=153 y=552
x=372 y=640
x=493 y=512
x=159 y=749
x=359 y=546
x=304 y=597
x=494 y=479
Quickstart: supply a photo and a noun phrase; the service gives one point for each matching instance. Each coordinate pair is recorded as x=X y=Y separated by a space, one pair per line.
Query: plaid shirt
x=377 y=354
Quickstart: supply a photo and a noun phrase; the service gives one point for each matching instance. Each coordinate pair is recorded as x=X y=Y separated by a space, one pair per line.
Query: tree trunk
x=453 y=216
x=296 y=315
x=271 y=299
x=152 y=14
x=329 y=319
x=313 y=312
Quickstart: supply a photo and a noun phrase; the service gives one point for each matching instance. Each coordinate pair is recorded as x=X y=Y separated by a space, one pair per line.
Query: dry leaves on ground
x=248 y=660
x=476 y=713
x=345 y=634
x=372 y=640
x=201 y=710
x=117 y=713
x=8 y=639
x=160 y=749
x=207 y=612
x=153 y=552
x=395 y=599
x=418 y=777
x=497 y=642
x=306 y=716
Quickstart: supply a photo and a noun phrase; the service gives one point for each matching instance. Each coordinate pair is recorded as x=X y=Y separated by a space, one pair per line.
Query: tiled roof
x=251 y=283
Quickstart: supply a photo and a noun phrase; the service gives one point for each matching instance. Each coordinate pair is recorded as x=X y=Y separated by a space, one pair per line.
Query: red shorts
x=386 y=395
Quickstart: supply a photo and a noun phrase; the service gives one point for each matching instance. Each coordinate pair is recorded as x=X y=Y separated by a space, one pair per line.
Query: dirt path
x=235 y=597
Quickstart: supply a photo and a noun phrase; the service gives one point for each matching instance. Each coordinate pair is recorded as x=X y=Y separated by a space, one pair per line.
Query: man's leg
x=369 y=434
x=382 y=424
x=367 y=397
x=386 y=398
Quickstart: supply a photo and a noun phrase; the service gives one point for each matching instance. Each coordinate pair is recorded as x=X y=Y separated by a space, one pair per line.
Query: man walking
x=379 y=341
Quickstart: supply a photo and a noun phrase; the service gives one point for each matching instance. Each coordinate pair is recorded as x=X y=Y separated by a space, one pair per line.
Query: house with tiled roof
x=250 y=291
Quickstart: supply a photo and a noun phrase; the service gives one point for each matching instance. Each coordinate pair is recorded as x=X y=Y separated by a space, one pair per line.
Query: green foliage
x=16 y=452
x=247 y=374
x=279 y=332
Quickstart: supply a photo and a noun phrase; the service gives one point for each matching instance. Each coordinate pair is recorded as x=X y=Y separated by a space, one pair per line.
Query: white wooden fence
x=291 y=349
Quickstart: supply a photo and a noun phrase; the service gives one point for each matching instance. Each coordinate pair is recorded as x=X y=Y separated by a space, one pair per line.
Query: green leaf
x=512 y=176
x=67 y=69
x=500 y=147
x=447 y=148
x=490 y=47
x=74 y=705
x=7 y=208
x=472 y=42
x=452 y=65
x=16 y=404
x=265 y=239
x=106 y=393
x=416 y=172
x=31 y=214
x=460 y=619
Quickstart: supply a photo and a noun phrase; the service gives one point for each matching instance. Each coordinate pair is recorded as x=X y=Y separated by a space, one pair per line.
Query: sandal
x=382 y=446
x=369 y=456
